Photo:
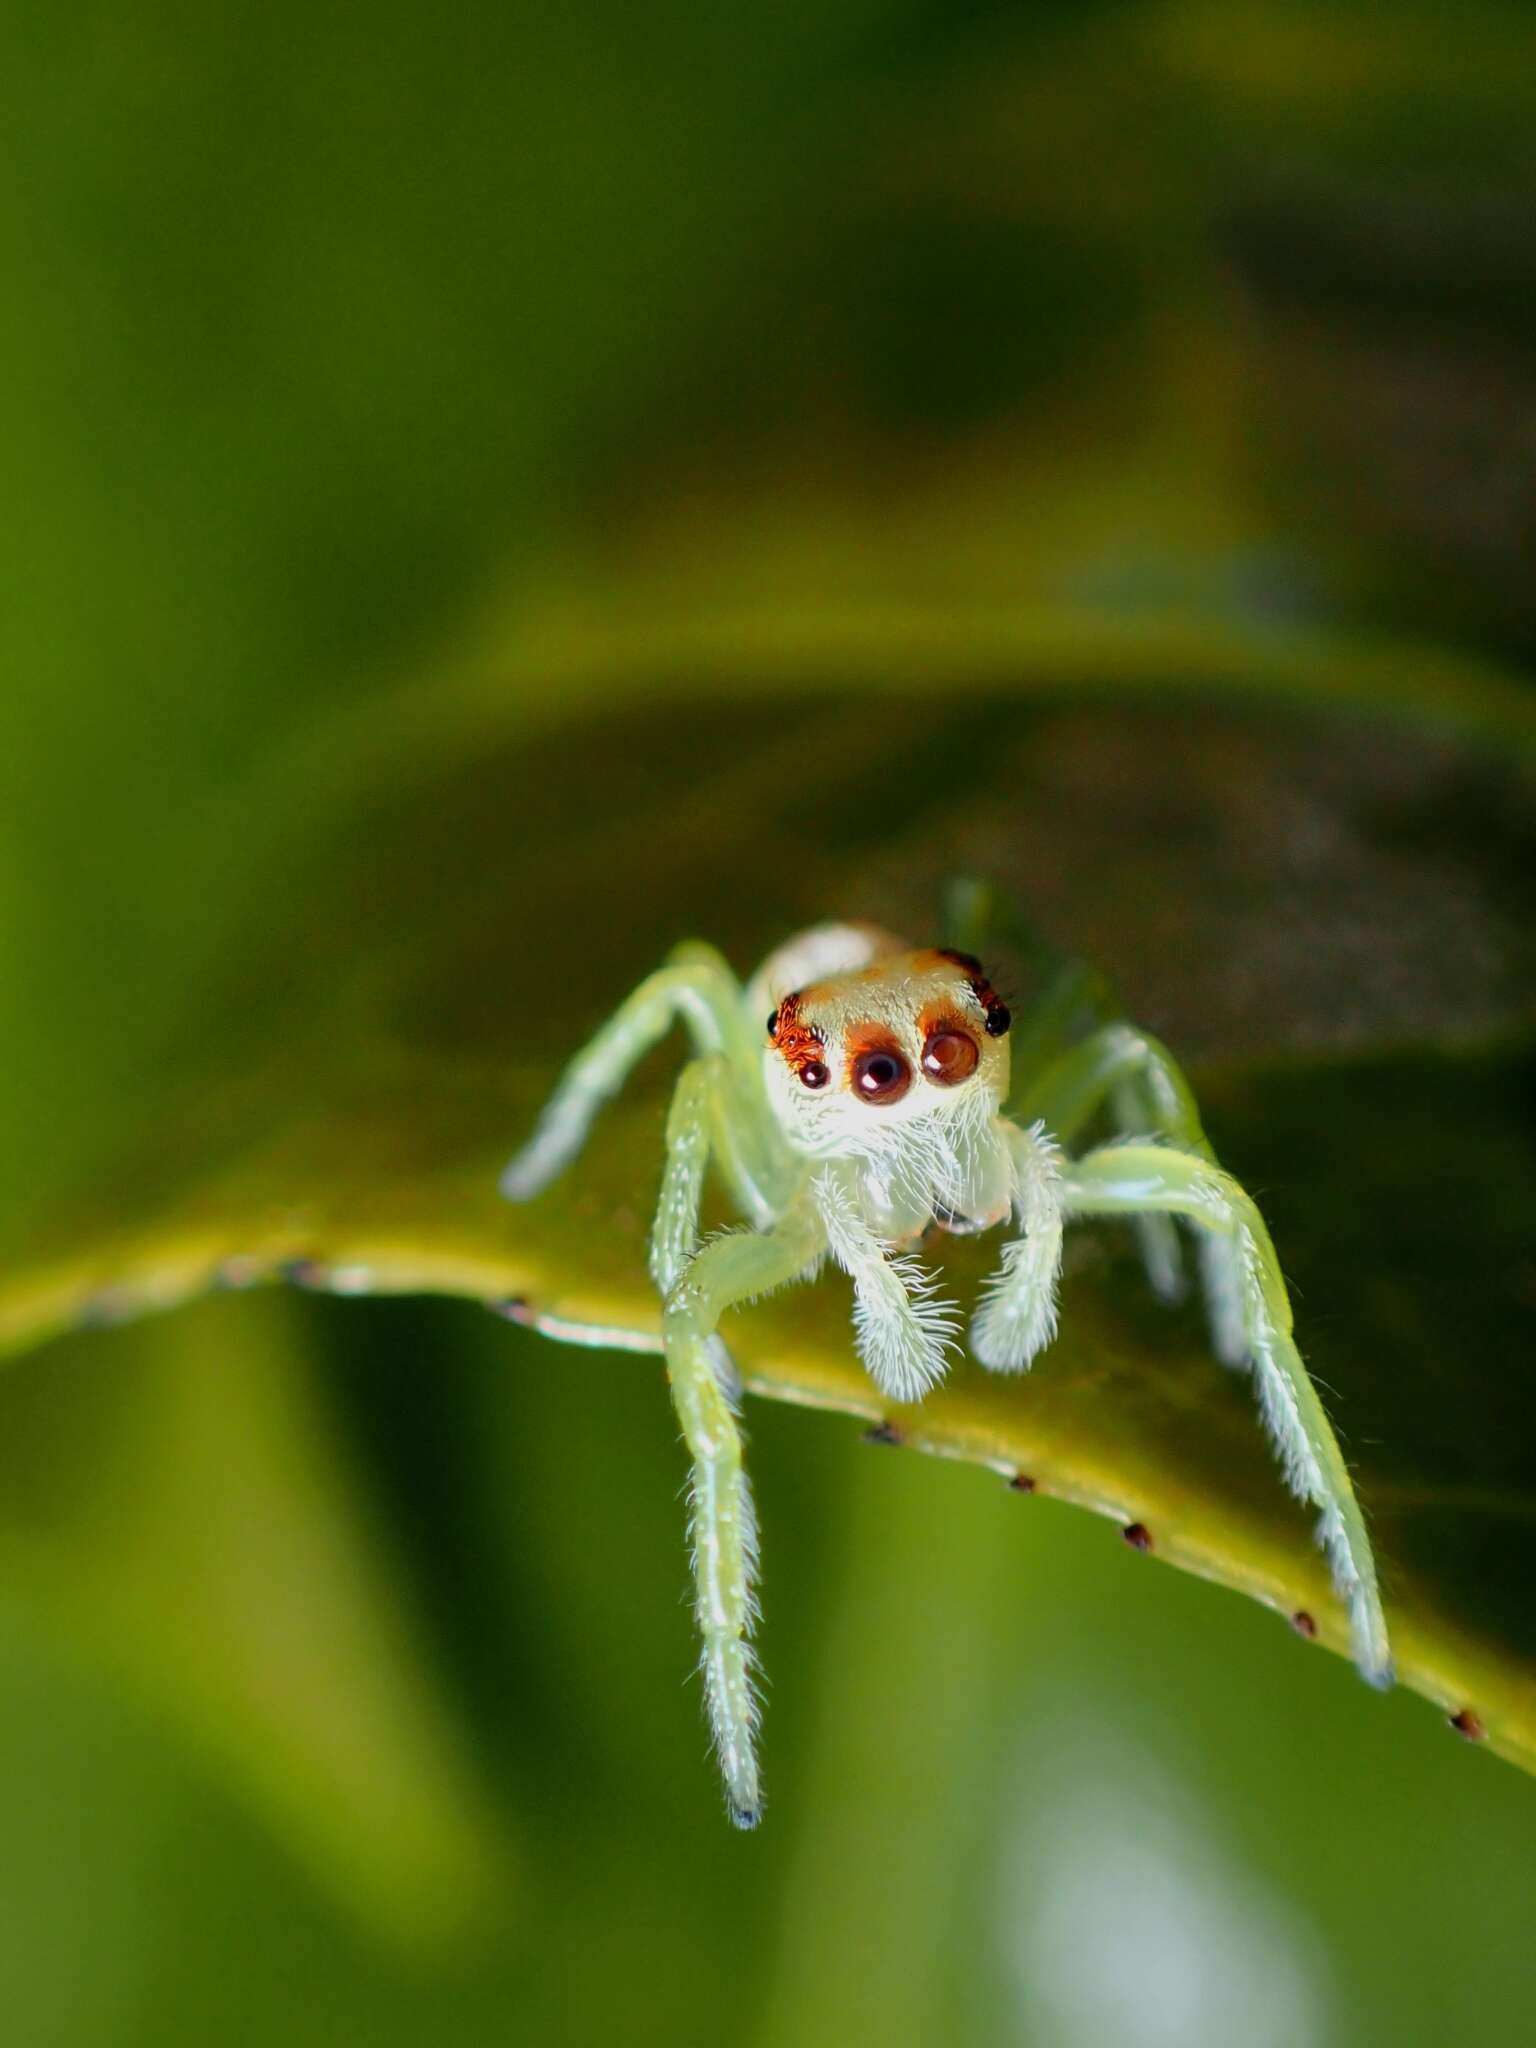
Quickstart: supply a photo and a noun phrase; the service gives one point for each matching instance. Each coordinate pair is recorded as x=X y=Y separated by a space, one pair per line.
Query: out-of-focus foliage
x=177 y=1509
x=486 y=494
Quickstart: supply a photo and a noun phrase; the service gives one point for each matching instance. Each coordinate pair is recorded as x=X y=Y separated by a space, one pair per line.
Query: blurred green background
x=372 y=381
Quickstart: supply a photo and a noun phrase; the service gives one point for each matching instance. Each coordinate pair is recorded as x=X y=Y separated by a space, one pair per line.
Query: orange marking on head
x=800 y=1044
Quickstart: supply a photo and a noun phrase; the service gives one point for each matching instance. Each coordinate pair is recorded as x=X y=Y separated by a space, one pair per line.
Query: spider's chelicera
x=865 y=1110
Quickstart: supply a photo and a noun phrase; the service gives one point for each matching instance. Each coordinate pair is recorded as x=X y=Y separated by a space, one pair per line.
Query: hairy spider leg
x=720 y=1112
x=722 y=1528
x=1151 y=1097
x=902 y=1328
x=1016 y=1317
x=708 y=1117
x=675 y=1232
x=1117 y=1063
x=697 y=986
x=1134 y=1180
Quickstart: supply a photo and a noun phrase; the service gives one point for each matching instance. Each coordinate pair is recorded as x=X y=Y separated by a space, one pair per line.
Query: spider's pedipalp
x=903 y=1328
x=1017 y=1315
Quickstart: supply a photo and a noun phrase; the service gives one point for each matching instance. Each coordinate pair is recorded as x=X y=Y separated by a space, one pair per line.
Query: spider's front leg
x=695 y=985
x=712 y=1114
x=1140 y=1180
x=721 y=1524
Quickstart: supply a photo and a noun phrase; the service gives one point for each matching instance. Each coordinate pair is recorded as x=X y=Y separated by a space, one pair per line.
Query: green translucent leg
x=1138 y=1180
x=1149 y=1095
x=721 y=1524
x=697 y=986
x=1065 y=1094
x=1071 y=1080
x=746 y=1143
x=675 y=1232
x=706 y=1116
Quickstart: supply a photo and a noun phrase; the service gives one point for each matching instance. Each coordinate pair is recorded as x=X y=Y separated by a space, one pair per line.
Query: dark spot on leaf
x=884 y=1433
x=1022 y=1483
x=1468 y=1724
x=1304 y=1624
x=1138 y=1535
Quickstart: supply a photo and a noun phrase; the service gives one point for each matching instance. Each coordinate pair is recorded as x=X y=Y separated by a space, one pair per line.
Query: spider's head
x=917 y=1036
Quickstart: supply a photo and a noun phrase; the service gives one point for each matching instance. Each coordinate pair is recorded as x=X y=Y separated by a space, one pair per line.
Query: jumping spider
x=852 y=1097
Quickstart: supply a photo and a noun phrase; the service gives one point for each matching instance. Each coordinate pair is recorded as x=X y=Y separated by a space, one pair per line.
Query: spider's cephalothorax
x=852 y=1097
x=899 y=1071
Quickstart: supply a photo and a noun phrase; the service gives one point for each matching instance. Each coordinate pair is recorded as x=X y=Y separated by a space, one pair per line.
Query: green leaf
x=1324 y=909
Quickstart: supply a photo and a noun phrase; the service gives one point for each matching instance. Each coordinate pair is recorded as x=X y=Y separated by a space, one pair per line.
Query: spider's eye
x=773 y=1023
x=813 y=1075
x=949 y=1057
x=881 y=1075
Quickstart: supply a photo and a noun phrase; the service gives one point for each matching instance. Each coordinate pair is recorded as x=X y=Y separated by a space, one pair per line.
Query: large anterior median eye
x=881 y=1074
x=949 y=1056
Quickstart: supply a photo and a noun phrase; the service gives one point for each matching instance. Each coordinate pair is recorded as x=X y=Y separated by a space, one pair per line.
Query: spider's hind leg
x=1137 y=1180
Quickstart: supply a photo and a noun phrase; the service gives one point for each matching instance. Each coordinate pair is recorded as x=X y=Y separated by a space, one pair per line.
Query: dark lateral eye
x=773 y=1022
x=950 y=1056
x=813 y=1074
x=881 y=1075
